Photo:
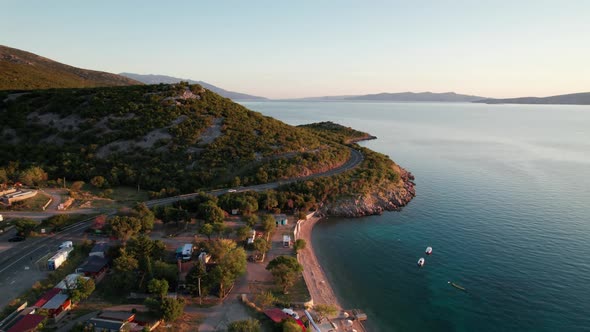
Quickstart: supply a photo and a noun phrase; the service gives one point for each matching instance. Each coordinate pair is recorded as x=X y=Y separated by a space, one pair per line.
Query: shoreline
x=320 y=289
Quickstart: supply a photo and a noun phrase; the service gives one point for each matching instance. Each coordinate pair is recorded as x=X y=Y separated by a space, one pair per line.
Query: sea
x=503 y=198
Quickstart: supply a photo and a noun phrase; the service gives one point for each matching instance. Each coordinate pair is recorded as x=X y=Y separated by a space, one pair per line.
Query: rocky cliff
x=392 y=198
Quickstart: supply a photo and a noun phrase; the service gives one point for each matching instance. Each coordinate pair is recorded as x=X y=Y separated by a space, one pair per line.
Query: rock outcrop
x=391 y=199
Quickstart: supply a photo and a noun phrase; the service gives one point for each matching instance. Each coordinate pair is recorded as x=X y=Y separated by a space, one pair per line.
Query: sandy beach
x=315 y=278
x=319 y=288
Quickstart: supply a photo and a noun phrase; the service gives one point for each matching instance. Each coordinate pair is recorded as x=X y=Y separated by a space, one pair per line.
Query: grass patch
x=113 y=197
x=298 y=293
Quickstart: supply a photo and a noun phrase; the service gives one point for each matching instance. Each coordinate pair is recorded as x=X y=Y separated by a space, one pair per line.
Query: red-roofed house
x=46 y=297
x=27 y=323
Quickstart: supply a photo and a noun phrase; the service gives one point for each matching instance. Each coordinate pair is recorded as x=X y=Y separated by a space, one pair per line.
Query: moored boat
x=421 y=261
x=428 y=250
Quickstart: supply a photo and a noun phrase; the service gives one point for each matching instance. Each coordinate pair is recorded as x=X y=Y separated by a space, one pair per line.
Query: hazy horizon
x=309 y=49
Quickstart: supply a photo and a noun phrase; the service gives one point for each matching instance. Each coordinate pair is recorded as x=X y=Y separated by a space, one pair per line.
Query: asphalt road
x=19 y=269
x=20 y=265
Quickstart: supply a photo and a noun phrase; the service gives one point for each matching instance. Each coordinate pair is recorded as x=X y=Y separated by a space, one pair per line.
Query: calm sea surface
x=503 y=197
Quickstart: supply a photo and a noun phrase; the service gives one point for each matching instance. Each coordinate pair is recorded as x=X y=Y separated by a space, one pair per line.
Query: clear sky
x=284 y=49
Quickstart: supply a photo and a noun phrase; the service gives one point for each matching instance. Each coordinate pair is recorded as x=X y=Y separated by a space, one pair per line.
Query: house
x=27 y=323
x=19 y=195
x=94 y=267
x=281 y=219
x=100 y=249
x=46 y=297
x=58 y=305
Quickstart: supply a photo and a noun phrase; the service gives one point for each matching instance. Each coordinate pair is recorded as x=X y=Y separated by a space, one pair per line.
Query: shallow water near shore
x=503 y=197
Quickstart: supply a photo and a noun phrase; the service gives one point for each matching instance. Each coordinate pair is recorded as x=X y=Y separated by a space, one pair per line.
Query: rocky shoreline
x=391 y=199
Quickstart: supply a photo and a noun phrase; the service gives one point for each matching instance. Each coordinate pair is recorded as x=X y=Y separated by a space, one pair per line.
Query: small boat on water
x=421 y=261
x=428 y=250
x=457 y=286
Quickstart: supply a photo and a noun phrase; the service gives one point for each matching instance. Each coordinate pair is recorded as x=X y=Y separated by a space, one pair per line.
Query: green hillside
x=22 y=70
x=169 y=138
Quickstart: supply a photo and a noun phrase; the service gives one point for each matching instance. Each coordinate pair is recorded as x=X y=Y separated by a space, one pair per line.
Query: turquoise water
x=503 y=197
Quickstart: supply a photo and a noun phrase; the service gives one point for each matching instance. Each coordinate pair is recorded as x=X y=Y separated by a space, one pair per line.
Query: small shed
x=281 y=219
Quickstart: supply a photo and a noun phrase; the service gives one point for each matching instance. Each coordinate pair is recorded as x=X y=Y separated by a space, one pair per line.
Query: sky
x=289 y=49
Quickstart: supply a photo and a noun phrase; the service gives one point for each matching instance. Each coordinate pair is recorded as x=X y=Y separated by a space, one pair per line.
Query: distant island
x=23 y=70
x=568 y=99
x=157 y=79
x=400 y=96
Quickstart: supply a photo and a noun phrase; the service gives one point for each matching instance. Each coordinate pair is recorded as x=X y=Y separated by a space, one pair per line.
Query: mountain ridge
x=22 y=70
x=157 y=79
x=581 y=98
x=398 y=96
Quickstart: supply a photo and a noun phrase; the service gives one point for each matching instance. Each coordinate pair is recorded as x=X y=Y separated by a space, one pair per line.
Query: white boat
x=421 y=261
x=428 y=250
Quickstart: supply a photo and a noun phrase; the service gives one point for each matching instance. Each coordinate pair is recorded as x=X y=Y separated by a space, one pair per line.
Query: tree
x=145 y=215
x=261 y=245
x=285 y=270
x=211 y=212
x=207 y=229
x=140 y=245
x=290 y=325
x=250 y=219
x=77 y=186
x=167 y=308
x=33 y=176
x=158 y=287
x=163 y=270
x=83 y=289
x=171 y=309
x=194 y=278
x=219 y=228
x=324 y=310
x=248 y=325
x=125 y=262
x=299 y=245
x=57 y=221
x=243 y=232
x=124 y=227
x=231 y=262
x=24 y=227
x=99 y=182
x=264 y=299
x=269 y=223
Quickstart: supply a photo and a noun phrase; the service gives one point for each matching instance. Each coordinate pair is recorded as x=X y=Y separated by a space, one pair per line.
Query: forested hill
x=178 y=138
x=157 y=79
x=21 y=70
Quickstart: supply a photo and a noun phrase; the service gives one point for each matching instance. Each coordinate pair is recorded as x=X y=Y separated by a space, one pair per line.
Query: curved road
x=18 y=268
